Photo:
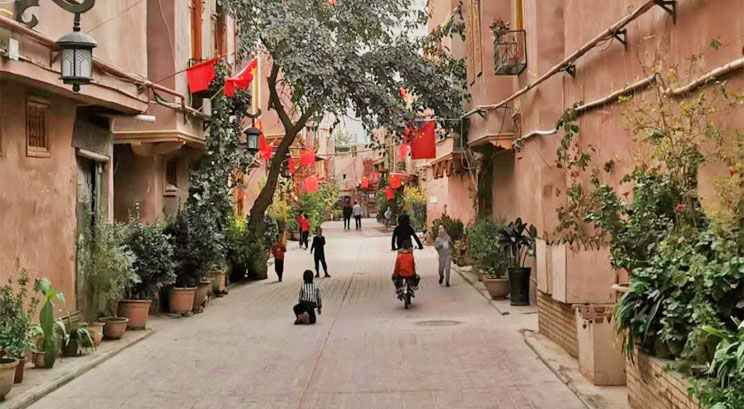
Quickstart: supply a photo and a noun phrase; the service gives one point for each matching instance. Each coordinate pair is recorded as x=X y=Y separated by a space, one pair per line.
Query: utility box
x=601 y=360
x=582 y=277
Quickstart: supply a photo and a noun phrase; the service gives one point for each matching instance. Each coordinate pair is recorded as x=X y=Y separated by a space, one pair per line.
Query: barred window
x=37 y=138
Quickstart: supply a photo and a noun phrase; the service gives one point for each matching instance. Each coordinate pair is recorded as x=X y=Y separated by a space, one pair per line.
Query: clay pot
x=7 y=375
x=38 y=359
x=137 y=311
x=18 y=378
x=200 y=296
x=498 y=288
x=218 y=282
x=115 y=327
x=96 y=332
x=181 y=300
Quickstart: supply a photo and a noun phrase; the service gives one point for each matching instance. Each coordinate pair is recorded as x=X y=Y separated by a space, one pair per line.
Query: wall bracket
x=670 y=6
x=622 y=36
x=570 y=69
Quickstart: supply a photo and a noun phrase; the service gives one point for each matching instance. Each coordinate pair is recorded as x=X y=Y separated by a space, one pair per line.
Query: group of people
x=355 y=211
x=405 y=265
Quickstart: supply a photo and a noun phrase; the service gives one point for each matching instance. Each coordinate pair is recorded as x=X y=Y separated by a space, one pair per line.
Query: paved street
x=451 y=350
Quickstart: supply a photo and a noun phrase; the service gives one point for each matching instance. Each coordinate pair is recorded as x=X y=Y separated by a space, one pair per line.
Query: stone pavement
x=450 y=350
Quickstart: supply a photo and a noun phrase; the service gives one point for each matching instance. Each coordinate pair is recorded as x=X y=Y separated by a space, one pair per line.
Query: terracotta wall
x=38 y=195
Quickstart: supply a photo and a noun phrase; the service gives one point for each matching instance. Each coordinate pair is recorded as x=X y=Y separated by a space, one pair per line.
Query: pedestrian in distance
x=388 y=217
x=309 y=300
x=347 y=214
x=304 y=230
x=357 y=210
x=443 y=244
x=278 y=250
x=319 y=246
x=403 y=232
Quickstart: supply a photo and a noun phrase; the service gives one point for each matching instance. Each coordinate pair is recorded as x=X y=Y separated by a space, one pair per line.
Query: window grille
x=37 y=139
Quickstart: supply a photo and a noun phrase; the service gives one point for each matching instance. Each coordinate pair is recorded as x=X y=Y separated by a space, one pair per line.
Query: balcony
x=510 y=52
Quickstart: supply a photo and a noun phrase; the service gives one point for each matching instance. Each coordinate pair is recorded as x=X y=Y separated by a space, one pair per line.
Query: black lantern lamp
x=251 y=139
x=76 y=48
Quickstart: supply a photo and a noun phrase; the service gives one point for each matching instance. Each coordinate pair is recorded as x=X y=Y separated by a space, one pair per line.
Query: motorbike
x=407 y=291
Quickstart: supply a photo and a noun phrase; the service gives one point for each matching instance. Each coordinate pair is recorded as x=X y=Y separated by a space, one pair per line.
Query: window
x=196 y=10
x=171 y=175
x=518 y=14
x=37 y=139
x=220 y=34
x=473 y=39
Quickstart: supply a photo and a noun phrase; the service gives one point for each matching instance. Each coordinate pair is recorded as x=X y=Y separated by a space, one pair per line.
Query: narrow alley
x=450 y=350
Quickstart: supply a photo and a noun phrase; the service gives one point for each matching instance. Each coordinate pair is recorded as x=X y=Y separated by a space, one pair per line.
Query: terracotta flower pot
x=200 y=296
x=181 y=300
x=218 y=282
x=137 y=311
x=96 y=332
x=115 y=327
x=7 y=375
x=498 y=288
x=38 y=358
x=19 y=371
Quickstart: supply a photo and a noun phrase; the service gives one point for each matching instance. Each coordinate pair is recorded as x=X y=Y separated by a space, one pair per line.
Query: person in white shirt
x=357 y=212
x=444 y=246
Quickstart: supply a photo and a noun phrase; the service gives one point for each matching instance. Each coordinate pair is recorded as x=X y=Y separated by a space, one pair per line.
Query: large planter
x=519 y=285
x=96 y=332
x=498 y=288
x=295 y=236
x=136 y=311
x=200 y=296
x=219 y=287
x=18 y=377
x=601 y=358
x=115 y=327
x=181 y=300
x=7 y=375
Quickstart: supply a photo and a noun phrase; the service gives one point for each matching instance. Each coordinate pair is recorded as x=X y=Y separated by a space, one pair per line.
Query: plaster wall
x=38 y=195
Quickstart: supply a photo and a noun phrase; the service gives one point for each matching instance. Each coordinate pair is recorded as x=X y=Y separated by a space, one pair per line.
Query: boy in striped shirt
x=309 y=300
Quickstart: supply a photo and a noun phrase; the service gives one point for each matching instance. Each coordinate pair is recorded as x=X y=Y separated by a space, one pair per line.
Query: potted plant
x=153 y=264
x=52 y=336
x=95 y=329
x=108 y=266
x=7 y=375
x=517 y=240
x=16 y=322
x=79 y=341
x=485 y=247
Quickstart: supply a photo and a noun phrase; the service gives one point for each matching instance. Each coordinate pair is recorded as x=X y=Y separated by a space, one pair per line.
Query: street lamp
x=251 y=139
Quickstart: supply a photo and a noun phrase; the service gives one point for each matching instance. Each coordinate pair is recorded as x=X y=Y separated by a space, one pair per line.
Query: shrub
x=484 y=246
x=415 y=204
x=198 y=245
x=454 y=227
x=16 y=320
x=154 y=259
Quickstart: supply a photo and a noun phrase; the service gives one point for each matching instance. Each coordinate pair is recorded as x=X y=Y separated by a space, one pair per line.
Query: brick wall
x=557 y=321
x=650 y=387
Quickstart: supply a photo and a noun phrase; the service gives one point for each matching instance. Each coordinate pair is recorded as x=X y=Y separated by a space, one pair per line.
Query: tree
x=329 y=57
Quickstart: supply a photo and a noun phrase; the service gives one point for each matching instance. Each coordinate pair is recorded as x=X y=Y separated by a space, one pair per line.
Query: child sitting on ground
x=309 y=300
x=405 y=266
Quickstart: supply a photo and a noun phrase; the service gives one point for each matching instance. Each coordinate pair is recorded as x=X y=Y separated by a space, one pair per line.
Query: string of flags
x=200 y=76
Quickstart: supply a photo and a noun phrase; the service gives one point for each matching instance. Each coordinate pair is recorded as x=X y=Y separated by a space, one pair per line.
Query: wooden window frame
x=196 y=23
x=37 y=151
x=220 y=33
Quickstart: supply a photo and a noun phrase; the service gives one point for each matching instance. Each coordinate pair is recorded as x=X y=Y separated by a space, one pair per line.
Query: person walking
x=357 y=210
x=304 y=229
x=403 y=232
x=319 y=246
x=309 y=300
x=444 y=246
x=347 y=214
x=278 y=250
x=388 y=217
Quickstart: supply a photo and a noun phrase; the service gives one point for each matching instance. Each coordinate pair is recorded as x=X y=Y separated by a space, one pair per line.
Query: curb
x=32 y=395
x=473 y=284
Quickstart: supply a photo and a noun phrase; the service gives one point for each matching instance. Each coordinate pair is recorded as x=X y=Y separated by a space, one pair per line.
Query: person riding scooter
x=405 y=267
x=403 y=232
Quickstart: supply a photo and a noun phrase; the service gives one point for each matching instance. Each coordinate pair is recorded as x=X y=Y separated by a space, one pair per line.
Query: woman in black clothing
x=403 y=232
x=319 y=245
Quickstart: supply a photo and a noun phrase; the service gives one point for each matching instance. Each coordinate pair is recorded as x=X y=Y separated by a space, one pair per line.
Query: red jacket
x=405 y=265
x=304 y=224
x=278 y=250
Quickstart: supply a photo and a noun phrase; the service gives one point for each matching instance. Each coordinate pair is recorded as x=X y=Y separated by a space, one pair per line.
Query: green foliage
x=197 y=243
x=725 y=387
x=454 y=227
x=153 y=264
x=485 y=247
x=517 y=239
x=16 y=320
x=82 y=338
x=245 y=253
x=52 y=342
x=317 y=205
x=108 y=268
x=396 y=205
x=415 y=204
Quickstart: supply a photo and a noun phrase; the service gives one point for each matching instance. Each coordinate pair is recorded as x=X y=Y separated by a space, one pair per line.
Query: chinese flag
x=242 y=79
x=389 y=193
x=424 y=146
x=292 y=165
x=307 y=157
x=403 y=151
x=395 y=181
x=266 y=153
x=365 y=182
x=311 y=184
x=200 y=76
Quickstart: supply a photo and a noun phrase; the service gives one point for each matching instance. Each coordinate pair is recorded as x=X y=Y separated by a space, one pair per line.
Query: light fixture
x=77 y=56
x=251 y=139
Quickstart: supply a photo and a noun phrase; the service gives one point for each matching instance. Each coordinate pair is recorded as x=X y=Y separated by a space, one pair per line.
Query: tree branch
x=274 y=101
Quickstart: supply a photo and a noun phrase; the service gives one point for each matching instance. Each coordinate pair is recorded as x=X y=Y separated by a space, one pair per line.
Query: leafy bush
x=246 y=254
x=454 y=227
x=154 y=259
x=725 y=387
x=415 y=204
x=485 y=247
x=517 y=240
x=16 y=320
x=198 y=245
x=396 y=205
x=317 y=205
x=50 y=327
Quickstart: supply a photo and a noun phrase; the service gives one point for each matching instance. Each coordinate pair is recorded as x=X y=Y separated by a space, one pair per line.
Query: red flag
x=395 y=181
x=307 y=157
x=259 y=124
x=311 y=184
x=292 y=165
x=242 y=79
x=389 y=193
x=365 y=182
x=200 y=76
x=266 y=153
x=403 y=151
x=425 y=145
